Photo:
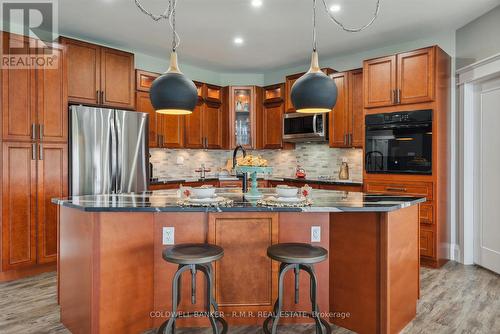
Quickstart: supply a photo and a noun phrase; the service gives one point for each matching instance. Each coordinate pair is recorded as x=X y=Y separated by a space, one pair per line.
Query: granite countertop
x=271 y=178
x=166 y=201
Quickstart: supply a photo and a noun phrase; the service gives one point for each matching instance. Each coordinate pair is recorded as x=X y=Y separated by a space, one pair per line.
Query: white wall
x=479 y=39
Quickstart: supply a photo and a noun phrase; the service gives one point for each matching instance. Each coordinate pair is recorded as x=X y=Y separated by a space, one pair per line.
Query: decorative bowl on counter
x=202 y=192
x=286 y=191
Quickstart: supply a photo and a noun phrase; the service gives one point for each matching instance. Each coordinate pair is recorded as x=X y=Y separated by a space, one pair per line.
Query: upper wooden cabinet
x=34 y=102
x=243 y=116
x=271 y=117
x=164 y=130
x=356 y=111
x=380 y=82
x=290 y=80
x=346 y=120
x=144 y=80
x=400 y=79
x=416 y=72
x=98 y=75
x=143 y=104
x=206 y=127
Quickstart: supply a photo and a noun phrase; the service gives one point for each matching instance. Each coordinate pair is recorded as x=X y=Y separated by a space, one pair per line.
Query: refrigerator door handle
x=114 y=157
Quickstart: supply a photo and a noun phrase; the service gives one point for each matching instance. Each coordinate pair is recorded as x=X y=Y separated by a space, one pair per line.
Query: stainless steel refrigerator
x=109 y=151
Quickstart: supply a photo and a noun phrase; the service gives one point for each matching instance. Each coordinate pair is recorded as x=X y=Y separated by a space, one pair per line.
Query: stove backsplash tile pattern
x=316 y=159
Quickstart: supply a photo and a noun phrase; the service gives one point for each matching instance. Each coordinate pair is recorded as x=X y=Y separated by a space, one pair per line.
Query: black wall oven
x=399 y=143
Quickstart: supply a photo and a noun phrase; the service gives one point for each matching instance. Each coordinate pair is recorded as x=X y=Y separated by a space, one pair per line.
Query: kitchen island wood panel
x=114 y=279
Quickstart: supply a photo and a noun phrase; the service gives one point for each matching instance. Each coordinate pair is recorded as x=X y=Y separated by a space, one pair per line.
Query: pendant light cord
x=314 y=26
x=343 y=27
x=169 y=15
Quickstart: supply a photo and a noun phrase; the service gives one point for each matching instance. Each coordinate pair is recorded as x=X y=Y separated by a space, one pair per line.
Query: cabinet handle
x=33 y=131
x=102 y=97
x=33 y=151
x=97 y=96
x=41 y=151
x=394 y=101
x=398 y=96
x=349 y=139
x=396 y=189
x=40 y=131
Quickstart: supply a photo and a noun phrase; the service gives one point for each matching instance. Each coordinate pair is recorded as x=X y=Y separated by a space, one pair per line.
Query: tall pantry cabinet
x=34 y=167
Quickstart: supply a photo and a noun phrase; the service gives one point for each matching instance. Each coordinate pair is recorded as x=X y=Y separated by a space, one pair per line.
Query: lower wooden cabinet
x=32 y=175
x=52 y=182
x=426 y=242
x=245 y=238
x=18 y=205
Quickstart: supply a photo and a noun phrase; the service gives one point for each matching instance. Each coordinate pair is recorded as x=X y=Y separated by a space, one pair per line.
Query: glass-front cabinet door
x=242 y=113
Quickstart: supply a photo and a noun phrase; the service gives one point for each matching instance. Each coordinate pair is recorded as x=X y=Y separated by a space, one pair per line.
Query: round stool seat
x=193 y=254
x=297 y=253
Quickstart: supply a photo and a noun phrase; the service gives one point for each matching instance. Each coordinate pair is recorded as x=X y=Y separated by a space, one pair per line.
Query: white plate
x=207 y=200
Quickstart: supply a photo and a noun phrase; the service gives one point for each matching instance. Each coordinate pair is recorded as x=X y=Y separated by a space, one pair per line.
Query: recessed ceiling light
x=335 y=8
x=256 y=3
x=238 y=40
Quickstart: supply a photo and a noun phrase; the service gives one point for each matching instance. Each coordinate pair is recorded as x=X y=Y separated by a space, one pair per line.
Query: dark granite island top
x=166 y=201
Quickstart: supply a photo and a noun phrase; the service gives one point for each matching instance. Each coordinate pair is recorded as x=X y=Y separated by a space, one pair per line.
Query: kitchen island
x=112 y=277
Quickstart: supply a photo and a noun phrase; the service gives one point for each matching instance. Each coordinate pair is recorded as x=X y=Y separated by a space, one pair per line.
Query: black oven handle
x=397 y=126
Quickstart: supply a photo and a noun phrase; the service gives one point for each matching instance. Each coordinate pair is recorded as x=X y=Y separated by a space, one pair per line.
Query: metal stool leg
x=167 y=327
x=278 y=306
x=320 y=323
x=210 y=301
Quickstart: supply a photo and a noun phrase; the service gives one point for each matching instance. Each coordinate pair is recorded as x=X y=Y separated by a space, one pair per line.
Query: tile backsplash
x=316 y=159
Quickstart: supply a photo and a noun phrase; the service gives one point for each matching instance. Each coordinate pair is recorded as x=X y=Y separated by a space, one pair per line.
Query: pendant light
x=172 y=93
x=315 y=92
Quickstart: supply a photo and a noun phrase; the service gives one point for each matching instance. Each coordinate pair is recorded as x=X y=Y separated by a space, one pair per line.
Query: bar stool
x=193 y=257
x=297 y=256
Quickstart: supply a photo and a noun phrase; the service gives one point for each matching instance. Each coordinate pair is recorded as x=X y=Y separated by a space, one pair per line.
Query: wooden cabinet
x=34 y=103
x=400 y=79
x=205 y=127
x=338 y=121
x=243 y=116
x=356 y=111
x=84 y=68
x=117 y=79
x=346 y=120
x=415 y=76
x=270 y=119
x=18 y=205
x=427 y=243
x=98 y=75
x=339 y=187
x=164 y=130
x=213 y=117
x=194 y=136
x=290 y=80
x=35 y=158
x=253 y=233
x=52 y=182
x=33 y=174
x=143 y=104
x=379 y=81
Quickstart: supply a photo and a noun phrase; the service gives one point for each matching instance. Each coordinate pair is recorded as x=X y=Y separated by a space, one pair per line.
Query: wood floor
x=455 y=299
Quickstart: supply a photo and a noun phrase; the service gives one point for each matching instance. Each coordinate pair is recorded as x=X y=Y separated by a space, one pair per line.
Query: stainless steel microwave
x=300 y=127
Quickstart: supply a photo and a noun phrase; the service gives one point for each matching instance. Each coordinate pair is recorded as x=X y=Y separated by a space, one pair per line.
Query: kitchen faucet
x=202 y=171
x=245 y=176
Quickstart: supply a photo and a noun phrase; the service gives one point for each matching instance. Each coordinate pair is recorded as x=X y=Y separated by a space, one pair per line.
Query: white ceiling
x=277 y=34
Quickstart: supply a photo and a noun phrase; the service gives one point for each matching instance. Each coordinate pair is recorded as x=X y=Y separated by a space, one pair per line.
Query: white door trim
x=468 y=78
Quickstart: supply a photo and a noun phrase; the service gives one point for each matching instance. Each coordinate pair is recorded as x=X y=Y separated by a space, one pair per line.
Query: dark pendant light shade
x=173 y=93
x=314 y=92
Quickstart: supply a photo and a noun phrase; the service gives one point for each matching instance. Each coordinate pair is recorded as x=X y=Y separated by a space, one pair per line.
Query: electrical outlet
x=315 y=233
x=169 y=235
